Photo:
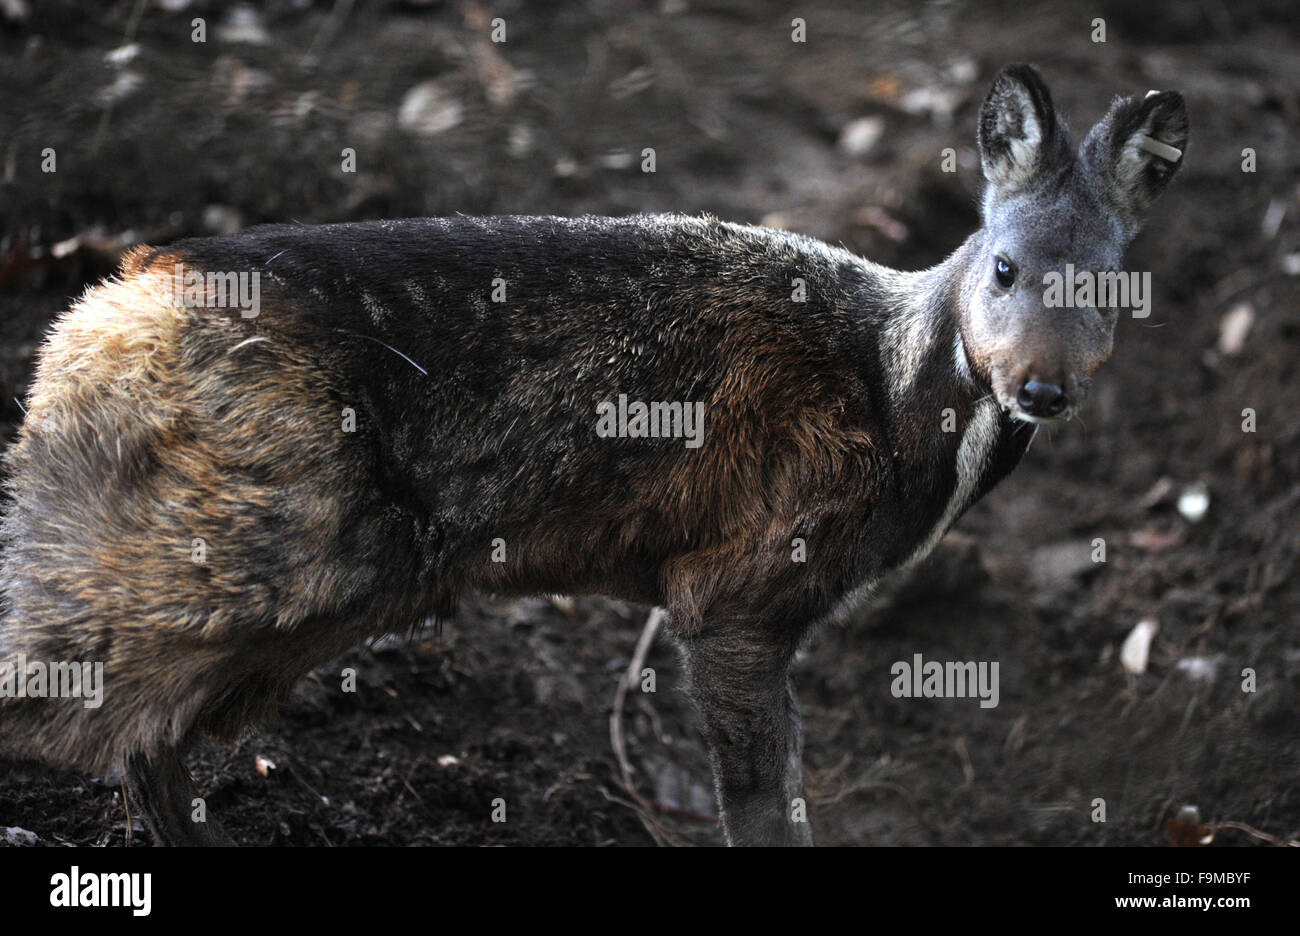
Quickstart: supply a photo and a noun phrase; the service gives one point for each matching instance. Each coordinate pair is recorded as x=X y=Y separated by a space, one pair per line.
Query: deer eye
x=1004 y=272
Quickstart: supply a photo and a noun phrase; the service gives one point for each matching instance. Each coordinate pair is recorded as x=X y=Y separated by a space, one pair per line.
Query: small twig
x=642 y=811
x=629 y=678
x=1244 y=290
x=656 y=723
x=665 y=809
x=967 y=768
x=1250 y=830
x=134 y=22
x=297 y=775
x=420 y=799
x=861 y=786
x=331 y=26
x=126 y=805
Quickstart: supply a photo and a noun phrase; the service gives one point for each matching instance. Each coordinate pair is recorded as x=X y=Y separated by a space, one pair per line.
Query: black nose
x=1041 y=399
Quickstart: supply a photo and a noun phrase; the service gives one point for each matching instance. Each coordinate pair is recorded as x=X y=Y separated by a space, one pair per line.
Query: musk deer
x=478 y=359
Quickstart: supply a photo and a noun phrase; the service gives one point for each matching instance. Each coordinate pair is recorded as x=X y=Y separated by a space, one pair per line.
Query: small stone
x=1194 y=502
x=1234 y=327
x=13 y=835
x=860 y=136
x=428 y=110
x=1201 y=669
x=243 y=25
x=1135 y=653
x=122 y=54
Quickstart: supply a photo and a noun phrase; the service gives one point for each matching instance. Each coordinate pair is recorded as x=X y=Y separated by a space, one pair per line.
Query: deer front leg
x=740 y=682
x=164 y=791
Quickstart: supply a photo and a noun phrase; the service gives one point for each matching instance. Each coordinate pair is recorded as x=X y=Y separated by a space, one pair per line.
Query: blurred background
x=152 y=136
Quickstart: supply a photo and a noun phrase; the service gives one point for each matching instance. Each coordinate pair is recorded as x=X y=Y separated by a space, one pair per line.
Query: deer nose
x=1041 y=399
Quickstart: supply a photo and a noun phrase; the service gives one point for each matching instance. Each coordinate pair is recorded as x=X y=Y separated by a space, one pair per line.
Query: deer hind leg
x=164 y=791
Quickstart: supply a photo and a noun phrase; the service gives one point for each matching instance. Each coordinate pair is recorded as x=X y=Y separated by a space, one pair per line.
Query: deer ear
x=1135 y=150
x=1018 y=129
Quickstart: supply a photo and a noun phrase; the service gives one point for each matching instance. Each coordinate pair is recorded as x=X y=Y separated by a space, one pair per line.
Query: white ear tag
x=1163 y=150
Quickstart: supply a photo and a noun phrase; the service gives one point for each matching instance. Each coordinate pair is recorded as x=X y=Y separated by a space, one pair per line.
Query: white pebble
x=1194 y=502
x=1137 y=647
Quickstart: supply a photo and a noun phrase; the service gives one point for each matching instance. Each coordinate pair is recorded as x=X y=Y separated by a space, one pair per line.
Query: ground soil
x=511 y=699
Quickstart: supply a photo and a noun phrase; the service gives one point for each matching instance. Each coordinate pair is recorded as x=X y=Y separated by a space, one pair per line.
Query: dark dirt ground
x=512 y=698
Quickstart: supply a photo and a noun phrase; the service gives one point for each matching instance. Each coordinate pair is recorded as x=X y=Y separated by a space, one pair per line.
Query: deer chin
x=1015 y=412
